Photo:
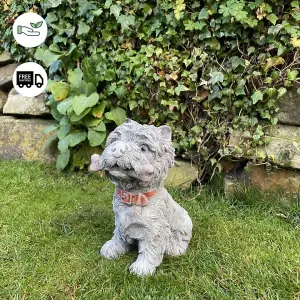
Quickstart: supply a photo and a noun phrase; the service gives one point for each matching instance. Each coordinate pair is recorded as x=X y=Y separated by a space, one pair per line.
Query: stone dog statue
x=136 y=159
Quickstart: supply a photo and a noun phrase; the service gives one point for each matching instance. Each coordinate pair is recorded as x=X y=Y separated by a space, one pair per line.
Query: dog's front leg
x=115 y=247
x=150 y=256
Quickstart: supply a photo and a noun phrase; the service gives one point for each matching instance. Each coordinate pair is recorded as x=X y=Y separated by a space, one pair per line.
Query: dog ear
x=166 y=132
x=129 y=121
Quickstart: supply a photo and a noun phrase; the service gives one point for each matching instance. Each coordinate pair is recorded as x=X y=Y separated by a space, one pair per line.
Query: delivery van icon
x=28 y=79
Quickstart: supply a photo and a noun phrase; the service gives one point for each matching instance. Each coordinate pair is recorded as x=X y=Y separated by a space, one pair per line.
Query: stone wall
x=22 y=120
x=275 y=165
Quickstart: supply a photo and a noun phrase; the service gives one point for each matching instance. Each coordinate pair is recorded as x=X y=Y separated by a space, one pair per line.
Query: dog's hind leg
x=150 y=256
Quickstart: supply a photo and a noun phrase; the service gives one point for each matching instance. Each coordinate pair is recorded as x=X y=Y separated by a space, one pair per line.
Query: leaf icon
x=36 y=25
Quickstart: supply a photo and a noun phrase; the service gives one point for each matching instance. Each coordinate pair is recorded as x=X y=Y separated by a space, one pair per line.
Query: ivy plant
x=202 y=67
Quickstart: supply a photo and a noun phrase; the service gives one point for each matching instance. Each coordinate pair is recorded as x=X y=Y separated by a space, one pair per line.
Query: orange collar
x=140 y=199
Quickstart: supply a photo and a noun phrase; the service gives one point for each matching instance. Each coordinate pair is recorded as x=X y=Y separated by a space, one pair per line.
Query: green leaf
x=63 y=131
x=257 y=96
x=179 y=7
x=98 y=110
x=75 y=78
x=90 y=67
x=60 y=90
x=121 y=91
x=203 y=14
x=216 y=77
x=50 y=3
x=76 y=137
x=87 y=88
x=63 y=160
x=107 y=3
x=292 y=75
x=180 y=88
x=272 y=18
x=126 y=21
x=90 y=121
x=236 y=62
x=51 y=18
x=274 y=61
x=118 y=115
x=98 y=12
x=74 y=117
x=63 y=106
x=81 y=102
x=100 y=127
x=63 y=145
x=83 y=28
x=132 y=104
x=55 y=67
x=55 y=48
x=96 y=138
x=281 y=92
x=298 y=91
x=50 y=128
x=46 y=56
x=274 y=121
x=115 y=10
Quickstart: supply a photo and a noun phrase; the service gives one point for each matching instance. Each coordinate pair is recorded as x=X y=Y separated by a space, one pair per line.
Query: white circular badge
x=30 y=30
x=30 y=79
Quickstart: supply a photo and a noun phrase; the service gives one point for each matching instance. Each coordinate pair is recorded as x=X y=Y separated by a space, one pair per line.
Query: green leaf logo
x=36 y=25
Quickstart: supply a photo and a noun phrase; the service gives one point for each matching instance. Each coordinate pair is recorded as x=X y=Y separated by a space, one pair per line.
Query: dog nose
x=119 y=149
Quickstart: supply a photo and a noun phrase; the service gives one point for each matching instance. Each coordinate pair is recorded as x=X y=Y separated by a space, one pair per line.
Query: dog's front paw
x=114 y=249
x=142 y=268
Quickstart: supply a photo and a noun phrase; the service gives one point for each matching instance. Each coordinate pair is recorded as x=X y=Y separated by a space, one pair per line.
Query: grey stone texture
x=263 y=178
x=283 y=146
x=182 y=175
x=6 y=75
x=289 y=107
x=3 y=99
x=20 y=105
x=24 y=139
x=5 y=58
x=136 y=159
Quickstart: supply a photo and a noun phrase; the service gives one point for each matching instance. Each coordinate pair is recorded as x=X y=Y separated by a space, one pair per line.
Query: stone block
x=5 y=58
x=19 y=105
x=275 y=178
x=182 y=175
x=289 y=107
x=24 y=139
x=6 y=75
x=283 y=146
x=264 y=179
x=3 y=99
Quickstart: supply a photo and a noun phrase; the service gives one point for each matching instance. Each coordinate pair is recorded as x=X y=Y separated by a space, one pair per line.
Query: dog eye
x=111 y=140
x=144 y=148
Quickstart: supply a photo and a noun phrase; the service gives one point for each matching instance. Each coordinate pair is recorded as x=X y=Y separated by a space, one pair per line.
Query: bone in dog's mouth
x=129 y=174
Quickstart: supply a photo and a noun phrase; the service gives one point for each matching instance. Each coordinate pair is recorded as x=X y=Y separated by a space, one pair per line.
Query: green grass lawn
x=52 y=225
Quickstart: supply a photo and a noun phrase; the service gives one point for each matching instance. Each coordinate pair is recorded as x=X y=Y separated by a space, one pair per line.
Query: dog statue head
x=136 y=157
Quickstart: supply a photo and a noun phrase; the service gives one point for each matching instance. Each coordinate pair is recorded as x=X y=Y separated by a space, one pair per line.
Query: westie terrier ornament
x=136 y=159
